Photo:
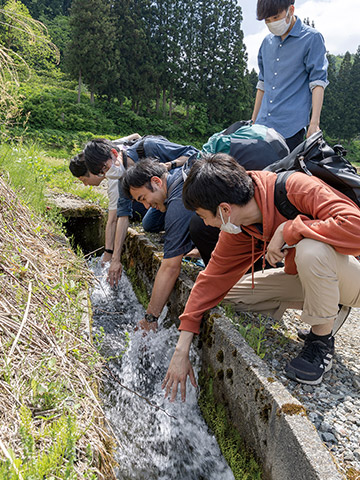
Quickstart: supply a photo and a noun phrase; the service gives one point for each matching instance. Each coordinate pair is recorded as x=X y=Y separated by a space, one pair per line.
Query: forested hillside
x=176 y=68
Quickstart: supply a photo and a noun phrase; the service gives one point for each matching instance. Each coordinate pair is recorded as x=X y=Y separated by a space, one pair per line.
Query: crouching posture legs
x=326 y=279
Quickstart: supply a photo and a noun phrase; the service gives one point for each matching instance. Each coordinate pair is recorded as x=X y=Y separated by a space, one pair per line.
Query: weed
x=253 y=334
x=60 y=438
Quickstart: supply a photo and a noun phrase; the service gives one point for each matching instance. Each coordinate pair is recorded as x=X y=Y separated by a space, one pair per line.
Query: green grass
x=32 y=171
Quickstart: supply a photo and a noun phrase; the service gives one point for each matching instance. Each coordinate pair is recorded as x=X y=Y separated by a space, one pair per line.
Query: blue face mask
x=228 y=227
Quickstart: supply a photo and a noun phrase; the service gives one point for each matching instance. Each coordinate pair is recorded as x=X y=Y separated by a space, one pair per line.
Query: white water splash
x=152 y=444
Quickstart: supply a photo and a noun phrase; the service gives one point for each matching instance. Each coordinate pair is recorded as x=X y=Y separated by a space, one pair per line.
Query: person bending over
x=157 y=188
x=319 y=247
x=79 y=169
x=101 y=155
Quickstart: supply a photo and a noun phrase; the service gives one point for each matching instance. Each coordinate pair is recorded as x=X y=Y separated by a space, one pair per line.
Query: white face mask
x=228 y=227
x=279 y=27
x=115 y=171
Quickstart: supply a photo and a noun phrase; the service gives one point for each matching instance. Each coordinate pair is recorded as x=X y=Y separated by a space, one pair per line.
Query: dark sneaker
x=342 y=315
x=314 y=360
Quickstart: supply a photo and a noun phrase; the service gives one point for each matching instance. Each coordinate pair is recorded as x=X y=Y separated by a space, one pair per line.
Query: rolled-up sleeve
x=260 y=85
x=316 y=62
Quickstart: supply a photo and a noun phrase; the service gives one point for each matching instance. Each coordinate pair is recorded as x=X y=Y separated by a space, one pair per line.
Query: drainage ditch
x=158 y=440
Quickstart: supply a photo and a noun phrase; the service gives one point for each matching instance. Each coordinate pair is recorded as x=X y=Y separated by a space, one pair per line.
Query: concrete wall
x=270 y=420
x=85 y=222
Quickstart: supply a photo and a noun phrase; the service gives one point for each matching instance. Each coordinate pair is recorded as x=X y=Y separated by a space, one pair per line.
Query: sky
x=337 y=20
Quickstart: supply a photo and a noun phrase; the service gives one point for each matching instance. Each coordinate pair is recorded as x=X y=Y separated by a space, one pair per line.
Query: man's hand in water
x=146 y=326
x=179 y=368
x=114 y=273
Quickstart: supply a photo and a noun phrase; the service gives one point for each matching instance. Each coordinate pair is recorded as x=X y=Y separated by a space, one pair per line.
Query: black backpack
x=315 y=157
x=253 y=146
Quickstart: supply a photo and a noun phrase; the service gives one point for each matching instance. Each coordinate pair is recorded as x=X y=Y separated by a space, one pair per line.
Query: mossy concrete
x=143 y=258
x=271 y=422
x=84 y=222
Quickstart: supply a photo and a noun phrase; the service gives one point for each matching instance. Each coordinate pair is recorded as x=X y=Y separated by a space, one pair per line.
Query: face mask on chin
x=279 y=27
x=228 y=227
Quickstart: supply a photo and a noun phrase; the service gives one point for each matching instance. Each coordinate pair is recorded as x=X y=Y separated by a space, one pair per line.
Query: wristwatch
x=149 y=317
x=173 y=164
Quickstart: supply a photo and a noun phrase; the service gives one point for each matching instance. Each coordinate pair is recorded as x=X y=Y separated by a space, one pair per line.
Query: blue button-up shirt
x=289 y=70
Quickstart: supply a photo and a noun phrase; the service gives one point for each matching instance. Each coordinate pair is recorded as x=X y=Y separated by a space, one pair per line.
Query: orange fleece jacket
x=336 y=222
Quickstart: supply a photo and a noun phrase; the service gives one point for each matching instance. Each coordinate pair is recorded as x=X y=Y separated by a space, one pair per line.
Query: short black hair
x=141 y=174
x=78 y=167
x=269 y=8
x=97 y=152
x=216 y=178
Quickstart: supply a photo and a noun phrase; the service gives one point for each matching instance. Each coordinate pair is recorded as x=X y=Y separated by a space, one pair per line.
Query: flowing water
x=169 y=443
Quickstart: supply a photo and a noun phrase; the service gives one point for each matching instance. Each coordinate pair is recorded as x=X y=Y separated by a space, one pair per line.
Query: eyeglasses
x=105 y=168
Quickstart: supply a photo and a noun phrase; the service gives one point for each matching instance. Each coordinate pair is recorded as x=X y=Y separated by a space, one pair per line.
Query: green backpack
x=253 y=146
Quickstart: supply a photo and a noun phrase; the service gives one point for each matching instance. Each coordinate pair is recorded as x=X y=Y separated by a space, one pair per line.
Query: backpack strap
x=235 y=126
x=174 y=185
x=140 y=148
x=282 y=203
x=185 y=169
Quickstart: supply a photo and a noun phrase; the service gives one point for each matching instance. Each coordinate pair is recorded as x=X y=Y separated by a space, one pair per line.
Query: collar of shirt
x=174 y=182
x=296 y=29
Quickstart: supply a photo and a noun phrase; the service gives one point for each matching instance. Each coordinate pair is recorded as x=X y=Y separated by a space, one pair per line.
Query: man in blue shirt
x=292 y=73
x=101 y=155
x=154 y=186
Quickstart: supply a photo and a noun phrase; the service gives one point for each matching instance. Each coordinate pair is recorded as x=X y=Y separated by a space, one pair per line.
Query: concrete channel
x=273 y=424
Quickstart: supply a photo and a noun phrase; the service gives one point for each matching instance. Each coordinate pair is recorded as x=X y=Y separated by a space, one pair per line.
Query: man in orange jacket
x=320 y=270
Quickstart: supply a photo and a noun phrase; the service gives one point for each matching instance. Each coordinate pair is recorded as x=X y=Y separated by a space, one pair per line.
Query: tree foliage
x=89 y=53
x=24 y=44
x=180 y=51
x=340 y=118
x=48 y=9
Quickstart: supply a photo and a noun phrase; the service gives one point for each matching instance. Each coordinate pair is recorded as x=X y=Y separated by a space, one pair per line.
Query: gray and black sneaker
x=342 y=315
x=314 y=360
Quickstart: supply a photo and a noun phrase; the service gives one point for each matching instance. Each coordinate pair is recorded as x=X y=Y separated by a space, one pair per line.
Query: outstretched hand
x=114 y=273
x=179 y=368
x=146 y=326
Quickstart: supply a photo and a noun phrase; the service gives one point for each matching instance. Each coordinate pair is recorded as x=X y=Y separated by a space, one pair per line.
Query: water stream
x=153 y=445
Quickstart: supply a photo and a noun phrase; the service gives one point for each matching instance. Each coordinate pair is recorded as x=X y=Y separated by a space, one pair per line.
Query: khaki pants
x=325 y=279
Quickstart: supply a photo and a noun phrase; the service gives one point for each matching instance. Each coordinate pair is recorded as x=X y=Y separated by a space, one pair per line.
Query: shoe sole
x=292 y=375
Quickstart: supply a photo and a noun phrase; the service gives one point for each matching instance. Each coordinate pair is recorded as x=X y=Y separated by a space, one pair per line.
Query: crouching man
x=319 y=246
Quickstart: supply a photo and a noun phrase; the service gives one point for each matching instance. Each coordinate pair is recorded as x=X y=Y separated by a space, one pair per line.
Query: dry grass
x=50 y=417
